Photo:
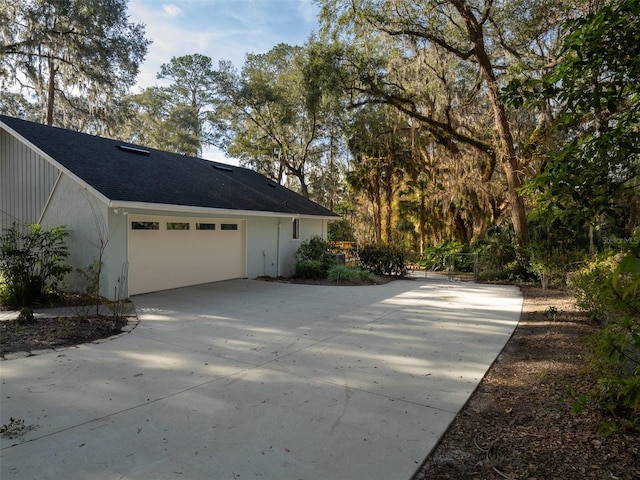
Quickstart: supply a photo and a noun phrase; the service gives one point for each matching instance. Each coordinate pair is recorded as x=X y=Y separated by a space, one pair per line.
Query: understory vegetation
x=315 y=260
x=31 y=263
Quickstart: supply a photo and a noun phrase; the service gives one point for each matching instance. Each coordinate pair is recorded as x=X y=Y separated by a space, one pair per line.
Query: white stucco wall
x=271 y=249
x=262 y=241
x=86 y=218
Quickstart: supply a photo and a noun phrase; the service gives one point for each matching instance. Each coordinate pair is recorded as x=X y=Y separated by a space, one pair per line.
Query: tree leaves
x=61 y=48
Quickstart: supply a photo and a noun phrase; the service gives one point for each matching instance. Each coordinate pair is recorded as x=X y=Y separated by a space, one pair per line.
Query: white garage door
x=168 y=252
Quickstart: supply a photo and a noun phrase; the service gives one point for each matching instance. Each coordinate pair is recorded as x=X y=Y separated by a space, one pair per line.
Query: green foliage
x=340 y=231
x=316 y=248
x=587 y=283
x=58 y=47
x=552 y=313
x=596 y=169
x=32 y=261
x=549 y=265
x=91 y=278
x=272 y=116
x=312 y=269
x=609 y=287
x=91 y=281
x=343 y=273
x=500 y=258
x=314 y=258
x=382 y=259
x=25 y=317
x=447 y=256
x=346 y=274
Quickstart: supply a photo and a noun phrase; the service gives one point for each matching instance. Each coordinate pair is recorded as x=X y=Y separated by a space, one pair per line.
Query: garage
x=172 y=252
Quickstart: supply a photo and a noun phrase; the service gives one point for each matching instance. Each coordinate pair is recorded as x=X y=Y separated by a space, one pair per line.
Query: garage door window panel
x=145 y=225
x=205 y=226
x=177 y=226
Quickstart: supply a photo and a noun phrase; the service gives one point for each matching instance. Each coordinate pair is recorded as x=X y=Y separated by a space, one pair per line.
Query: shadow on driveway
x=248 y=379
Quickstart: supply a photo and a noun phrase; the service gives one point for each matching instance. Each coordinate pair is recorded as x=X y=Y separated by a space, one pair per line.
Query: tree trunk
x=51 y=91
x=377 y=210
x=388 y=202
x=509 y=157
x=422 y=223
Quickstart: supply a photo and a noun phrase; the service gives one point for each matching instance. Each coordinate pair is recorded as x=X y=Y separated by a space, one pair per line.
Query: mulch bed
x=48 y=333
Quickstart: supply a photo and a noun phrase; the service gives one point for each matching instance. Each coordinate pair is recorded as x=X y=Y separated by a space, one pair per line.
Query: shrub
x=345 y=274
x=609 y=288
x=314 y=258
x=443 y=257
x=313 y=269
x=32 y=261
x=383 y=260
x=26 y=317
x=316 y=248
x=587 y=284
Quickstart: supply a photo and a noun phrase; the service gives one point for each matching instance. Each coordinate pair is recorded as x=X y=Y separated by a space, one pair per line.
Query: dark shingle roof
x=124 y=174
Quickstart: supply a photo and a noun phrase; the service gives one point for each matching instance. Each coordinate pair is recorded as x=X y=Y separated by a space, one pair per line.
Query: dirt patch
x=520 y=422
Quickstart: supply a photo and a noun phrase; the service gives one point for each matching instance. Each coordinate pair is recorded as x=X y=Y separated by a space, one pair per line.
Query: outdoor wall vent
x=139 y=151
x=223 y=168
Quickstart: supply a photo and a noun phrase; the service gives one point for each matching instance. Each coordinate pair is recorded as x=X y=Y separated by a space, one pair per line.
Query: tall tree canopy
x=443 y=65
x=61 y=50
x=177 y=117
x=275 y=118
x=192 y=92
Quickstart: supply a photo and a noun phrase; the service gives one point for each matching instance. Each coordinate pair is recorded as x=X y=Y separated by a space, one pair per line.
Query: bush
x=312 y=269
x=609 y=288
x=587 y=284
x=314 y=258
x=31 y=261
x=383 y=260
x=345 y=274
x=316 y=248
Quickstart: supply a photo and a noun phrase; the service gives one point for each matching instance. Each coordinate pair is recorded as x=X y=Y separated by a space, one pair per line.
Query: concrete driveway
x=253 y=380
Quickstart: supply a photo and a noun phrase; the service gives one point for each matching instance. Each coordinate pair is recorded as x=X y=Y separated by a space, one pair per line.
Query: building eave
x=128 y=206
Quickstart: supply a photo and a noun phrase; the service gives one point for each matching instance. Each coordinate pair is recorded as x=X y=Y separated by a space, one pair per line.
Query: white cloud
x=171 y=10
x=220 y=29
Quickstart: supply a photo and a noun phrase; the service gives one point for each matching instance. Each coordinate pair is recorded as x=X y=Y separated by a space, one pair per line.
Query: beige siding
x=26 y=181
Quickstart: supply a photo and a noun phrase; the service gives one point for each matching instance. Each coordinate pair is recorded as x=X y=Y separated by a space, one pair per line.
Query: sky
x=220 y=29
